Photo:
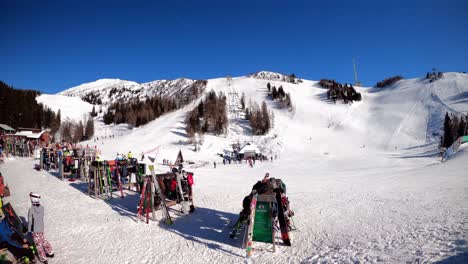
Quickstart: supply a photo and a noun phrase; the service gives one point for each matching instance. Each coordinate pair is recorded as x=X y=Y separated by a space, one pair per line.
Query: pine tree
x=89 y=130
x=66 y=131
x=281 y=92
x=109 y=118
x=93 y=112
x=461 y=128
x=274 y=93
x=242 y=101
x=78 y=131
x=448 y=133
x=266 y=118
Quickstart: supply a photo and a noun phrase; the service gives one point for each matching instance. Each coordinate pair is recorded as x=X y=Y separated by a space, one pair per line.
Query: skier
x=129 y=155
x=36 y=227
x=214 y=164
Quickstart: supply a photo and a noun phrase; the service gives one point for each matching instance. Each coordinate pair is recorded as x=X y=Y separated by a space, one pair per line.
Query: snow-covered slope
x=404 y=119
x=274 y=76
x=108 y=91
x=362 y=180
x=102 y=84
x=70 y=107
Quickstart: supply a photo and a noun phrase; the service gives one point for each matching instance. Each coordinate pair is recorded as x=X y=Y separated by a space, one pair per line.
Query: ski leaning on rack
x=144 y=207
x=185 y=207
x=249 y=234
x=282 y=220
x=161 y=197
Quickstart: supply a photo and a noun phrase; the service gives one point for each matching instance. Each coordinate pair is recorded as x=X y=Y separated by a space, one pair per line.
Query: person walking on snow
x=214 y=164
x=36 y=227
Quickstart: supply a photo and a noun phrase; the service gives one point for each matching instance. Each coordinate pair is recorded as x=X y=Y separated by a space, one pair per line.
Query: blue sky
x=54 y=45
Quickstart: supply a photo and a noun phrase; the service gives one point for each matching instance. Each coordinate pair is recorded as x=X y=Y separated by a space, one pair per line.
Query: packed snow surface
x=364 y=181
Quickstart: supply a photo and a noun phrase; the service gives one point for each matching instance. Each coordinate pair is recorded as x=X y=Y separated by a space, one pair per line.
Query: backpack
x=260 y=187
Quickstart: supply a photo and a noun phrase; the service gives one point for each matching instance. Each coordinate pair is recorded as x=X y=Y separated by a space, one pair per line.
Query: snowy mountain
x=102 y=84
x=274 y=76
x=363 y=179
x=406 y=117
x=107 y=91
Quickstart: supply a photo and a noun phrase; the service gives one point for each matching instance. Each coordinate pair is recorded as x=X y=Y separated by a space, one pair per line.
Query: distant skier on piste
x=36 y=227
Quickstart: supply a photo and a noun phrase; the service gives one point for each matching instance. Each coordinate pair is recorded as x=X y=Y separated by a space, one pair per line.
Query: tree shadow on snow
x=205 y=225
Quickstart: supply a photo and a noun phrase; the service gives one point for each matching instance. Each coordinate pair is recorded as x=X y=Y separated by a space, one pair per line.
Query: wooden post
x=60 y=165
x=96 y=182
x=153 y=214
x=40 y=160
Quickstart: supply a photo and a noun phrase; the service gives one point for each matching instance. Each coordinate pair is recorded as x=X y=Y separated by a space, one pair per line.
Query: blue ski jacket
x=6 y=234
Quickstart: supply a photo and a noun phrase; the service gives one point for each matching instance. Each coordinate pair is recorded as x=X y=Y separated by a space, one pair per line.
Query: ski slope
x=363 y=180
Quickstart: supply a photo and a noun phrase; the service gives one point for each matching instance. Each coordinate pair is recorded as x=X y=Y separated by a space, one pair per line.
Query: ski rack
x=173 y=197
x=260 y=225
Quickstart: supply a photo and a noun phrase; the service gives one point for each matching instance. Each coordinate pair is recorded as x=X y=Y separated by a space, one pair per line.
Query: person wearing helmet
x=36 y=227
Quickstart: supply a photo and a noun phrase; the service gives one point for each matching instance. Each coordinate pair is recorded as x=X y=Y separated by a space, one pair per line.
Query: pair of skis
x=249 y=234
x=185 y=206
x=145 y=201
x=282 y=220
x=162 y=198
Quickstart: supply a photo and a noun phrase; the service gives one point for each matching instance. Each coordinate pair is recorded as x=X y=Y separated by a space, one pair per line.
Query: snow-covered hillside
x=99 y=85
x=363 y=179
x=404 y=119
x=70 y=107
x=109 y=91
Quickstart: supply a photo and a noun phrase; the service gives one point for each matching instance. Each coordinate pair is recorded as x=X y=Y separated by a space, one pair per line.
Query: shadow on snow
x=206 y=226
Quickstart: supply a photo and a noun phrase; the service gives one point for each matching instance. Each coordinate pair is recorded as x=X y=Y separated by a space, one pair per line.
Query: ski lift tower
x=356 y=80
x=233 y=98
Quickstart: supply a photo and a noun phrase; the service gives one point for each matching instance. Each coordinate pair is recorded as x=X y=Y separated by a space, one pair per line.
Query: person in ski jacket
x=7 y=240
x=36 y=227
